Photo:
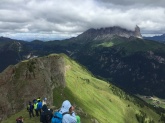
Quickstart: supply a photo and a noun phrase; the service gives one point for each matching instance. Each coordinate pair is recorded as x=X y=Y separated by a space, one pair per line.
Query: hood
x=65 y=107
x=44 y=108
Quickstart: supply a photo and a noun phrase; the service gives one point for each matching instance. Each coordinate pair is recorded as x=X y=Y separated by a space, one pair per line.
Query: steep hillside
x=28 y=80
x=135 y=65
x=95 y=100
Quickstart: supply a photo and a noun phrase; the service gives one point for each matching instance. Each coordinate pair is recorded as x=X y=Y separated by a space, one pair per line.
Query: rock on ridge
x=30 y=79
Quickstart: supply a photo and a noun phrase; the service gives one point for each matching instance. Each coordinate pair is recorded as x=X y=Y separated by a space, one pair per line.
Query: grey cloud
x=72 y=17
x=14 y=16
x=135 y=2
x=10 y=26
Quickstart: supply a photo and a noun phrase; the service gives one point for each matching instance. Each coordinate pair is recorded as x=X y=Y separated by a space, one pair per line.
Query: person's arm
x=71 y=110
x=67 y=118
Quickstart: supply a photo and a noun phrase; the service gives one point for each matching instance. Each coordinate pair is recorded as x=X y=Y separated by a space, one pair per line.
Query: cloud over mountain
x=71 y=17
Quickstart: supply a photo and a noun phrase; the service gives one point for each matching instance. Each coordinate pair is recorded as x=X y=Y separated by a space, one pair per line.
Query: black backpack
x=48 y=116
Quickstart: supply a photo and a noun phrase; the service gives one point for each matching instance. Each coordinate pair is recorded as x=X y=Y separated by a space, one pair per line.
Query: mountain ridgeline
x=160 y=38
x=108 y=33
x=118 y=55
x=58 y=78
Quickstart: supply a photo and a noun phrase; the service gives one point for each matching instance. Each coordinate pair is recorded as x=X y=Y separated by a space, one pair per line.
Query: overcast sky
x=60 y=19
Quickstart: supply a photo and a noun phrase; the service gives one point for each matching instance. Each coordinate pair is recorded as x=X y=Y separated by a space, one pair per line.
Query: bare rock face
x=137 y=32
x=28 y=80
x=109 y=32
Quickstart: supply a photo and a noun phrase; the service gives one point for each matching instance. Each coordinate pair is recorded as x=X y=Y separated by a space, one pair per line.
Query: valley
x=155 y=101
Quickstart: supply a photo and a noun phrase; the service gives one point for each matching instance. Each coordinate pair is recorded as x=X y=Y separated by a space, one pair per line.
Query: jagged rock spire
x=137 y=32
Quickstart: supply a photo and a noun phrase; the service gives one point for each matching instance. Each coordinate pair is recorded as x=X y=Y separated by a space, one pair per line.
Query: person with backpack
x=30 y=108
x=44 y=101
x=36 y=108
x=46 y=115
x=66 y=114
x=39 y=106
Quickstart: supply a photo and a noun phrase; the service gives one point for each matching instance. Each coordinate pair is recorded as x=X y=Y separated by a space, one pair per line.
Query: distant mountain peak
x=160 y=38
x=109 y=32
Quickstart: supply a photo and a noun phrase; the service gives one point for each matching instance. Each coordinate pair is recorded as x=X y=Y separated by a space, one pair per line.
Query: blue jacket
x=39 y=105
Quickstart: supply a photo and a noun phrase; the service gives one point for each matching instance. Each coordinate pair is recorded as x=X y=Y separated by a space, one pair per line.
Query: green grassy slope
x=99 y=99
x=95 y=99
x=133 y=45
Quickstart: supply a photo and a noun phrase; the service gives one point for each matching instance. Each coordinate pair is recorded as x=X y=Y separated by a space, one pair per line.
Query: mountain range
x=160 y=38
x=118 y=55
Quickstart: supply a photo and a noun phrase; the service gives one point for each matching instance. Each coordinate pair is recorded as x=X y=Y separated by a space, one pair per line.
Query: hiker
x=39 y=106
x=44 y=101
x=39 y=99
x=34 y=100
x=68 y=109
x=19 y=119
x=46 y=115
x=36 y=108
x=30 y=108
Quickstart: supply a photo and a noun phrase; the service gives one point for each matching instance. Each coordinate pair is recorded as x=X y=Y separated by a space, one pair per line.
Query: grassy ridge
x=98 y=98
x=95 y=99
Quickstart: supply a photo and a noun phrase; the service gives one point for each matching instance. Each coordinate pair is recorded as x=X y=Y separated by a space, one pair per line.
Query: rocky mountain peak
x=109 y=32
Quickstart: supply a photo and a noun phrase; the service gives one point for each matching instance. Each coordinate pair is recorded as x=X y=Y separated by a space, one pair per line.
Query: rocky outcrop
x=28 y=80
x=108 y=33
x=137 y=32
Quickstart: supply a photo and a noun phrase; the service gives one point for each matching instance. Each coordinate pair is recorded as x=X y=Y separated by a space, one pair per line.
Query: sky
x=62 y=19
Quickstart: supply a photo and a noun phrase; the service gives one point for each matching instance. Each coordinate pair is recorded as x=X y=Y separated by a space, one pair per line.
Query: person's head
x=44 y=108
x=66 y=105
x=71 y=109
x=38 y=99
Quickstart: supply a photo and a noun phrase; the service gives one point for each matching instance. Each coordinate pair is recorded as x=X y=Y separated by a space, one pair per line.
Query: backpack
x=48 y=116
x=57 y=118
x=39 y=106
